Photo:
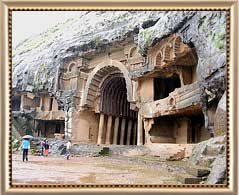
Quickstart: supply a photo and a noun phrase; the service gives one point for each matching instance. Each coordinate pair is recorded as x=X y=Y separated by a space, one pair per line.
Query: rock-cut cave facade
x=118 y=96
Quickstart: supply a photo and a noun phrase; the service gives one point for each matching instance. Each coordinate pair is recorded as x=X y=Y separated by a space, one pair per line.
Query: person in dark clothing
x=46 y=150
x=25 y=154
x=42 y=144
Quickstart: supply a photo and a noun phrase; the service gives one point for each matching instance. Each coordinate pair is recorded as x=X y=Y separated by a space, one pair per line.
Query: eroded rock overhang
x=36 y=61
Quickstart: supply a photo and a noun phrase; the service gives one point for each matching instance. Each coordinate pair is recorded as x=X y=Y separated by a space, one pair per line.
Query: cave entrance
x=187 y=128
x=164 y=86
x=16 y=103
x=163 y=130
x=48 y=128
x=197 y=132
x=118 y=123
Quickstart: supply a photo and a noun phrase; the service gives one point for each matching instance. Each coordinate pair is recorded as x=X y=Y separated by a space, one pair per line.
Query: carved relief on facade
x=168 y=51
x=135 y=60
x=70 y=74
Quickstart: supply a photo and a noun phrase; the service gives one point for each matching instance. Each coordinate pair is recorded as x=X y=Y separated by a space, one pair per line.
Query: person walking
x=42 y=145
x=46 y=149
x=25 y=147
x=68 y=148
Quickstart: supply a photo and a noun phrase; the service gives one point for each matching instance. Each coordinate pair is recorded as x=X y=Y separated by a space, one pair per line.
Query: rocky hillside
x=212 y=154
x=36 y=60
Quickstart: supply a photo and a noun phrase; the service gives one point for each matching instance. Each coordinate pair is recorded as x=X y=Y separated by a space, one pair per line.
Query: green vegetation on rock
x=147 y=35
x=15 y=144
x=33 y=151
x=218 y=40
x=96 y=40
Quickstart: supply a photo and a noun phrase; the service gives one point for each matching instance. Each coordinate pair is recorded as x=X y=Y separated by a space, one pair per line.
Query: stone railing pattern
x=166 y=52
x=70 y=75
x=181 y=100
x=135 y=63
x=160 y=56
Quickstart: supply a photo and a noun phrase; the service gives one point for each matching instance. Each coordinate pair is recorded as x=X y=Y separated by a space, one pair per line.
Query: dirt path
x=86 y=170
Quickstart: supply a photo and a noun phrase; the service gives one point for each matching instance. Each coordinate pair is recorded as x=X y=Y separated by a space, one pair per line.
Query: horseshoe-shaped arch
x=96 y=77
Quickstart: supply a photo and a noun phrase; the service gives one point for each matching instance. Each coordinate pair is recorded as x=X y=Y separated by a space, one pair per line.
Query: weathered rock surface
x=188 y=179
x=57 y=147
x=170 y=151
x=203 y=150
x=211 y=154
x=197 y=171
x=15 y=133
x=115 y=150
x=86 y=150
x=218 y=172
x=36 y=60
x=131 y=150
x=220 y=121
x=23 y=124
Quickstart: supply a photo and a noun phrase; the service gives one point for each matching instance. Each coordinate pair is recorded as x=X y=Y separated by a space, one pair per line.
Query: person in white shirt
x=68 y=148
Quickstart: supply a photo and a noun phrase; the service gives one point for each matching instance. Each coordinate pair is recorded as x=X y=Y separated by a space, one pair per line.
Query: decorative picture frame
x=8 y=6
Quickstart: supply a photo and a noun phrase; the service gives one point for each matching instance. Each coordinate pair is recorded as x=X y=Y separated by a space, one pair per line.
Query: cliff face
x=36 y=60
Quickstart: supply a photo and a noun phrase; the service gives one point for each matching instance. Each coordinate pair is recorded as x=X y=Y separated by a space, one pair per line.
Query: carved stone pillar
x=140 y=130
x=122 y=132
x=116 y=127
x=129 y=132
x=147 y=127
x=134 y=133
x=68 y=108
x=108 y=132
x=101 y=129
x=22 y=103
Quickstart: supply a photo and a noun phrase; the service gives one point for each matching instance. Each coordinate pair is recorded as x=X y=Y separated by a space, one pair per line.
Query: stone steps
x=185 y=178
x=197 y=171
x=193 y=175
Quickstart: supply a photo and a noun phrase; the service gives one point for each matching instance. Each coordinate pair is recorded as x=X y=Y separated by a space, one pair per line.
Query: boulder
x=211 y=154
x=205 y=153
x=218 y=171
x=57 y=147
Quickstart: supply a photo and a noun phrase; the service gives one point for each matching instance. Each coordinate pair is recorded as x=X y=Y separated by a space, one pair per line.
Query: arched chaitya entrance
x=117 y=123
x=108 y=92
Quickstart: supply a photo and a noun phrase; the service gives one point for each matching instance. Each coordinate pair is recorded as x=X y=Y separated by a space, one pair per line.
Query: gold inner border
x=106 y=185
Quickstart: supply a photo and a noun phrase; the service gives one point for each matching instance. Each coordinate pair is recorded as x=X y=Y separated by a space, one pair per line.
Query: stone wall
x=85 y=127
